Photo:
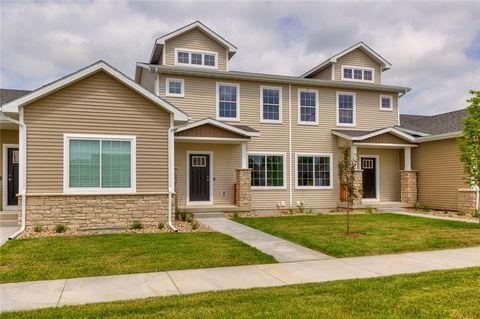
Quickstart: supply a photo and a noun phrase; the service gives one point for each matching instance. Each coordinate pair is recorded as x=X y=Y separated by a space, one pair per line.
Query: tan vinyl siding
x=389 y=172
x=96 y=105
x=195 y=40
x=6 y=137
x=386 y=138
x=147 y=80
x=357 y=58
x=325 y=74
x=440 y=173
x=226 y=158
x=207 y=130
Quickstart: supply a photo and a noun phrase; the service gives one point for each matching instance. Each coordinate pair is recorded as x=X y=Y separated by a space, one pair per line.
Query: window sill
x=175 y=95
x=314 y=187
x=268 y=188
x=228 y=119
x=346 y=125
x=271 y=122
x=308 y=123
x=386 y=110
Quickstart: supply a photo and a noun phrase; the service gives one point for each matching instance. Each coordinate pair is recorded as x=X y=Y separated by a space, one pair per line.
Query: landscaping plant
x=60 y=228
x=346 y=175
x=136 y=225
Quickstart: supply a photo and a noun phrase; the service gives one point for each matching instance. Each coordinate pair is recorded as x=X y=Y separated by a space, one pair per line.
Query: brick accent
x=96 y=211
x=408 y=187
x=359 y=185
x=243 y=188
x=466 y=200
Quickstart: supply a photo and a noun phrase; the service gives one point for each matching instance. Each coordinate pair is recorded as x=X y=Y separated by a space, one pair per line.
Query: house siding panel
x=207 y=130
x=357 y=58
x=325 y=74
x=386 y=138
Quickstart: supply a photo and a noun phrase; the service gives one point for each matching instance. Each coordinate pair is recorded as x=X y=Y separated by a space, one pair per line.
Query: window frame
x=362 y=68
x=390 y=97
x=297 y=155
x=167 y=91
x=227 y=119
x=66 y=163
x=280 y=117
x=265 y=154
x=354 y=122
x=202 y=52
x=299 y=108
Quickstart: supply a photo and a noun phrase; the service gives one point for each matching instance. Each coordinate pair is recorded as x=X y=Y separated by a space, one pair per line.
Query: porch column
x=244 y=155
x=243 y=188
x=354 y=155
x=408 y=179
x=407 y=151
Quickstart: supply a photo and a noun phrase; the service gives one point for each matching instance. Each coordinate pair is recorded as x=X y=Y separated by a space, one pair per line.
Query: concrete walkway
x=466 y=220
x=6 y=232
x=54 y=293
x=282 y=250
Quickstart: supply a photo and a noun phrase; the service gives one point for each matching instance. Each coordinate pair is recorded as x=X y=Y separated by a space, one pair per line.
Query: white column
x=244 y=155
x=408 y=158
x=353 y=154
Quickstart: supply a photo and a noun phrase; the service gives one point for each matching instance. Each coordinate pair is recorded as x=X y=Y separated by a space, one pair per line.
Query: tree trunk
x=348 y=219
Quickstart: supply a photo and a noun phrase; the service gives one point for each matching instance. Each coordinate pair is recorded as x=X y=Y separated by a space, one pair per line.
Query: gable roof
x=449 y=122
x=238 y=129
x=7 y=95
x=45 y=90
x=160 y=42
x=360 y=45
x=357 y=135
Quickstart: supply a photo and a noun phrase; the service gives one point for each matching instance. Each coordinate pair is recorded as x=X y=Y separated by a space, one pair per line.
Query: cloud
x=434 y=46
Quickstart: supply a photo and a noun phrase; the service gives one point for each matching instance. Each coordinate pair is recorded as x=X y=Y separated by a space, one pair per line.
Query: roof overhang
x=365 y=48
x=438 y=137
x=411 y=132
x=365 y=136
x=15 y=105
x=221 y=125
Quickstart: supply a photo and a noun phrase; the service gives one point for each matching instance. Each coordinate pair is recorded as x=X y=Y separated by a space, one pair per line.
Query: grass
x=439 y=294
x=98 y=255
x=379 y=234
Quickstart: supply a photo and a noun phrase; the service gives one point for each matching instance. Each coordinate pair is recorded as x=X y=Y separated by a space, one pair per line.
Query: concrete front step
x=8 y=223
x=209 y=215
x=392 y=209
x=9 y=215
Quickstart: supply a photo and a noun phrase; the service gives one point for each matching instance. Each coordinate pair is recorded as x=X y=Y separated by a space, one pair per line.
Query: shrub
x=183 y=215
x=460 y=213
x=421 y=207
x=194 y=225
x=476 y=213
x=301 y=208
x=136 y=225
x=161 y=225
x=189 y=218
x=38 y=228
x=370 y=210
x=60 y=228
x=236 y=214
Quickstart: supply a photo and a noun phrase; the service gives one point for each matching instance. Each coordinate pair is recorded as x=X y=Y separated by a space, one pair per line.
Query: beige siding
x=95 y=105
x=207 y=130
x=195 y=40
x=325 y=74
x=389 y=172
x=147 y=80
x=226 y=158
x=386 y=138
x=357 y=58
x=6 y=137
x=440 y=173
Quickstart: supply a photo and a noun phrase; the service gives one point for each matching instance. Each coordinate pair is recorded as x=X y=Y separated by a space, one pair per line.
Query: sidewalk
x=54 y=293
x=282 y=250
x=466 y=220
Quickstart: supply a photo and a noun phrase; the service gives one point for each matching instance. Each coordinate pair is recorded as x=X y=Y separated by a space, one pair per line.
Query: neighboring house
x=97 y=149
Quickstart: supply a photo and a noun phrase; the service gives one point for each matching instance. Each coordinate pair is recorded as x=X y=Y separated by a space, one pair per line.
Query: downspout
x=23 y=164
x=290 y=203
x=171 y=171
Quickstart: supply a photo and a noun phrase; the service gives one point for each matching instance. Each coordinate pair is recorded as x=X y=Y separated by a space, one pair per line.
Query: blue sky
x=434 y=47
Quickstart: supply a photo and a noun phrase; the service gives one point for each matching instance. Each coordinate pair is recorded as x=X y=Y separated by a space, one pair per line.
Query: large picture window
x=271 y=101
x=99 y=163
x=308 y=107
x=314 y=170
x=346 y=109
x=268 y=170
x=228 y=102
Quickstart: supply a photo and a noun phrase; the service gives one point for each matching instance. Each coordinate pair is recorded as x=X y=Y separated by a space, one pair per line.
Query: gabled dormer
x=194 y=45
x=359 y=63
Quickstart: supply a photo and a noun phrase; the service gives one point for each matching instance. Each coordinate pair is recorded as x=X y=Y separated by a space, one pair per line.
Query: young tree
x=346 y=175
x=470 y=145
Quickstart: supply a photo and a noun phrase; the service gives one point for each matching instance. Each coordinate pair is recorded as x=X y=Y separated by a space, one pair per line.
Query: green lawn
x=379 y=233
x=439 y=294
x=97 y=255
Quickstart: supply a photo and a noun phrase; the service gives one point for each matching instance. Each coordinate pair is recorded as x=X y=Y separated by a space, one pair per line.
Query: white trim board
x=5 y=177
x=218 y=124
x=187 y=176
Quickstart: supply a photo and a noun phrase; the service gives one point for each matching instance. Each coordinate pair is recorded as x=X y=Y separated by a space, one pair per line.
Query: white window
x=197 y=58
x=307 y=107
x=174 y=87
x=271 y=104
x=352 y=73
x=346 y=109
x=99 y=163
x=314 y=171
x=386 y=103
x=228 y=102
x=268 y=170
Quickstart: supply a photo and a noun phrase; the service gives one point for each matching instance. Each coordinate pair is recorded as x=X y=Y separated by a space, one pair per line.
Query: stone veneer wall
x=243 y=191
x=96 y=211
x=466 y=200
x=408 y=187
x=359 y=185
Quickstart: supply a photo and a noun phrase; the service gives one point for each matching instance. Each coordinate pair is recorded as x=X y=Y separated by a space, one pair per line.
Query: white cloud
x=425 y=41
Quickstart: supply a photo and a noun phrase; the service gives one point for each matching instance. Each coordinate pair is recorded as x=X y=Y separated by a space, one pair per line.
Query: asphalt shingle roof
x=7 y=95
x=436 y=124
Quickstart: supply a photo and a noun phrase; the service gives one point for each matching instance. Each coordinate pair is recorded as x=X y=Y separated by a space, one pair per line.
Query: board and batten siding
x=98 y=104
x=357 y=58
x=440 y=173
x=6 y=137
x=195 y=40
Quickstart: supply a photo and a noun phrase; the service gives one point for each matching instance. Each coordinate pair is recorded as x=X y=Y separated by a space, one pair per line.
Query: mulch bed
x=444 y=213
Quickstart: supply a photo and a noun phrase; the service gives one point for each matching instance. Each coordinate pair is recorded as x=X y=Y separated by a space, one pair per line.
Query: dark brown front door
x=369 y=177
x=199 y=177
x=12 y=176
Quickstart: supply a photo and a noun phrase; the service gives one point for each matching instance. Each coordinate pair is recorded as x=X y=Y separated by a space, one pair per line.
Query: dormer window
x=350 y=73
x=204 y=59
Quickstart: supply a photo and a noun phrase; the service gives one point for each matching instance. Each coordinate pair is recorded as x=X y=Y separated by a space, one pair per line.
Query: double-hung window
x=204 y=59
x=271 y=104
x=351 y=73
x=228 y=102
x=174 y=87
x=307 y=107
x=314 y=171
x=346 y=112
x=268 y=170
x=386 y=103
x=99 y=163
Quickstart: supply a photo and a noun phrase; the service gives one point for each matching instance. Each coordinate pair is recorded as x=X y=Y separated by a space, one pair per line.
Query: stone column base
x=359 y=185
x=243 y=188
x=408 y=187
x=466 y=200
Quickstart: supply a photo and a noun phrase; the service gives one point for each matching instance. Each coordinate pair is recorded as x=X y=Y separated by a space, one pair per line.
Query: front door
x=199 y=188
x=369 y=167
x=12 y=176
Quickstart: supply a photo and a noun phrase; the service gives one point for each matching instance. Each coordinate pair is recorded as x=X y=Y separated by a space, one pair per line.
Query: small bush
x=183 y=215
x=236 y=214
x=421 y=207
x=136 y=225
x=194 y=225
x=301 y=208
x=38 y=228
x=476 y=213
x=60 y=228
x=460 y=213
x=370 y=210
x=189 y=218
x=161 y=225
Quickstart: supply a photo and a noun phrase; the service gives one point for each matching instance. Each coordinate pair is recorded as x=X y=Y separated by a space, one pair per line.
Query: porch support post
x=408 y=186
x=244 y=155
x=243 y=188
x=354 y=155
x=407 y=151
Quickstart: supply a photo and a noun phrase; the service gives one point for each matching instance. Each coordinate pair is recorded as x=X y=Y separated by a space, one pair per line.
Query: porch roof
x=239 y=130
x=361 y=135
